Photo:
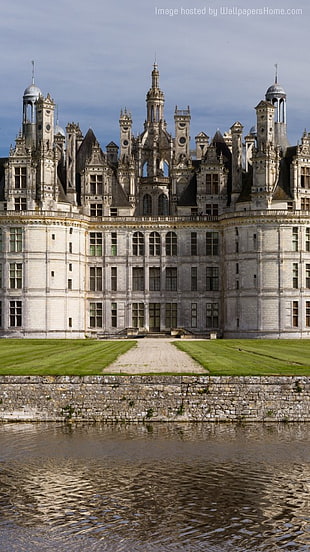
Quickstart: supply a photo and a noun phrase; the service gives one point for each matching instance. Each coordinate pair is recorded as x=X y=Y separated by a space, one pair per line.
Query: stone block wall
x=154 y=398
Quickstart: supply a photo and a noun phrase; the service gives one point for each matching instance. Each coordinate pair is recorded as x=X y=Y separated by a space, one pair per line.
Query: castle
x=149 y=236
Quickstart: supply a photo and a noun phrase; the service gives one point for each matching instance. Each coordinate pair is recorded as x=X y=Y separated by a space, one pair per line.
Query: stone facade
x=151 y=236
x=155 y=398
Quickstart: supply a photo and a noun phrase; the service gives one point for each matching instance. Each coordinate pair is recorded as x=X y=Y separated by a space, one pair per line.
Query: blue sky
x=95 y=58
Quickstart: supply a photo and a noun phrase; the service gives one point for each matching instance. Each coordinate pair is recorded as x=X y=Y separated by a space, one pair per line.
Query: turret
x=155 y=99
x=277 y=97
x=125 y=123
x=182 y=119
x=30 y=97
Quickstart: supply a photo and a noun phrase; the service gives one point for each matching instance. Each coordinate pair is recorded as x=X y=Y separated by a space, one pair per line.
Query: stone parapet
x=154 y=398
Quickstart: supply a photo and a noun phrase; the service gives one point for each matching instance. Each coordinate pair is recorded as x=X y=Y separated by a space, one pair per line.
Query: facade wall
x=254 y=283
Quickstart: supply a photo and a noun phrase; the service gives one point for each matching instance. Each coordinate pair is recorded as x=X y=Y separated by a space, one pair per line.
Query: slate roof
x=188 y=197
x=119 y=198
x=283 y=188
x=85 y=150
x=3 y=160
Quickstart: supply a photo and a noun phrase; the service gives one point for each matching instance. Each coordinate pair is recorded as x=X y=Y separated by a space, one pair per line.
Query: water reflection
x=161 y=487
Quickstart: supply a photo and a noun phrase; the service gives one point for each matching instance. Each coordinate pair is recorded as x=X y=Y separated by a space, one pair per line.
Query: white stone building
x=148 y=236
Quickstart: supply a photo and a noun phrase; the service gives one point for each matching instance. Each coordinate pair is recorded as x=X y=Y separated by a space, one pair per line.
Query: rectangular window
x=308 y=239
x=305 y=204
x=69 y=283
x=70 y=247
x=295 y=275
x=95 y=278
x=308 y=276
x=114 y=244
x=154 y=244
x=16 y=240
x=212 y=183
x=113 y=278
x=295 y=238
x=194 y=278
x=15 y=314
x=171 y=244
x=194 y=315
x=95 y=244
x=212 y=278
x=20 y=177
x=305 y=177
x=212 y=318
x=113 y=211
x=171 y=279
x=237 y=268
x=138 y=244
x=70 y=267
x=95 y=315
x=212 y=243
x=20 y=204
x=194 y=245
x=96 y=209
x=70 y=322
x=295 y=314
x=138 y=315
x=171 y=318
x=16 y=272
x=154 y=278
x=138 y=278
x=308 y=314
x=114 y=315
x=96 y=184
x=212 y=209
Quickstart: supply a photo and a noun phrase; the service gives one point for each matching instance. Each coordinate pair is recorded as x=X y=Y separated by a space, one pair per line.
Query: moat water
x=154 y=488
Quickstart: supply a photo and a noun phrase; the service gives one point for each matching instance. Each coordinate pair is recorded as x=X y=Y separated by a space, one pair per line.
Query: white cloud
x=96 y=57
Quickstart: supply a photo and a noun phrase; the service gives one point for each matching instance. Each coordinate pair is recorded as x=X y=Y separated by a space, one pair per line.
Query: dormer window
x=305 y=177
x=96 y=181
x=212 y=183
x=20 y=177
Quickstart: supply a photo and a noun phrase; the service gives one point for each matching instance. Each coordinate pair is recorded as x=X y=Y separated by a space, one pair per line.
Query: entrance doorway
x=154 y=317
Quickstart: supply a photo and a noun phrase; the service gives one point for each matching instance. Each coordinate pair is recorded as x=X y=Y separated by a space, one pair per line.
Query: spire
x=32 y=72
x=155 y=76
x=276 y=74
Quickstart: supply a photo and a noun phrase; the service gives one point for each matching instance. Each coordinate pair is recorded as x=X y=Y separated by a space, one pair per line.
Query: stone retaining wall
x=154 y=398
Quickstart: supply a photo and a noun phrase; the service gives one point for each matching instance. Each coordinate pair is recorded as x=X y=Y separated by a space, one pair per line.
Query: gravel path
x=154 y=355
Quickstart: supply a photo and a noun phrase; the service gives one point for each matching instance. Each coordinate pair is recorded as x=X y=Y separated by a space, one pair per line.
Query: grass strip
x=245 y=357
x=50 y=357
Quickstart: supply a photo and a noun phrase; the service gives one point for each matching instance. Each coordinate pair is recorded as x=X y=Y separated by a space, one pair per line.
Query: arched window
x=166 y=169
x=154 y=244
x=163 y=205
x=138 y=243
x=147 y=204
x=171 y=244
x=144 y=169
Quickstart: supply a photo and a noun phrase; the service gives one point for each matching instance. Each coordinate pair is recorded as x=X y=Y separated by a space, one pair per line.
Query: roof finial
x=32 y=72
x=276 y=75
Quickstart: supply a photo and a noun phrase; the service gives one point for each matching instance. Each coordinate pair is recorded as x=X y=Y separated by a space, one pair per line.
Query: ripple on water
x=151 y=493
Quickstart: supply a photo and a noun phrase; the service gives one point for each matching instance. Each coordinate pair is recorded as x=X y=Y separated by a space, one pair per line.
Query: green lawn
x=58 y=356
x=242 y=357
